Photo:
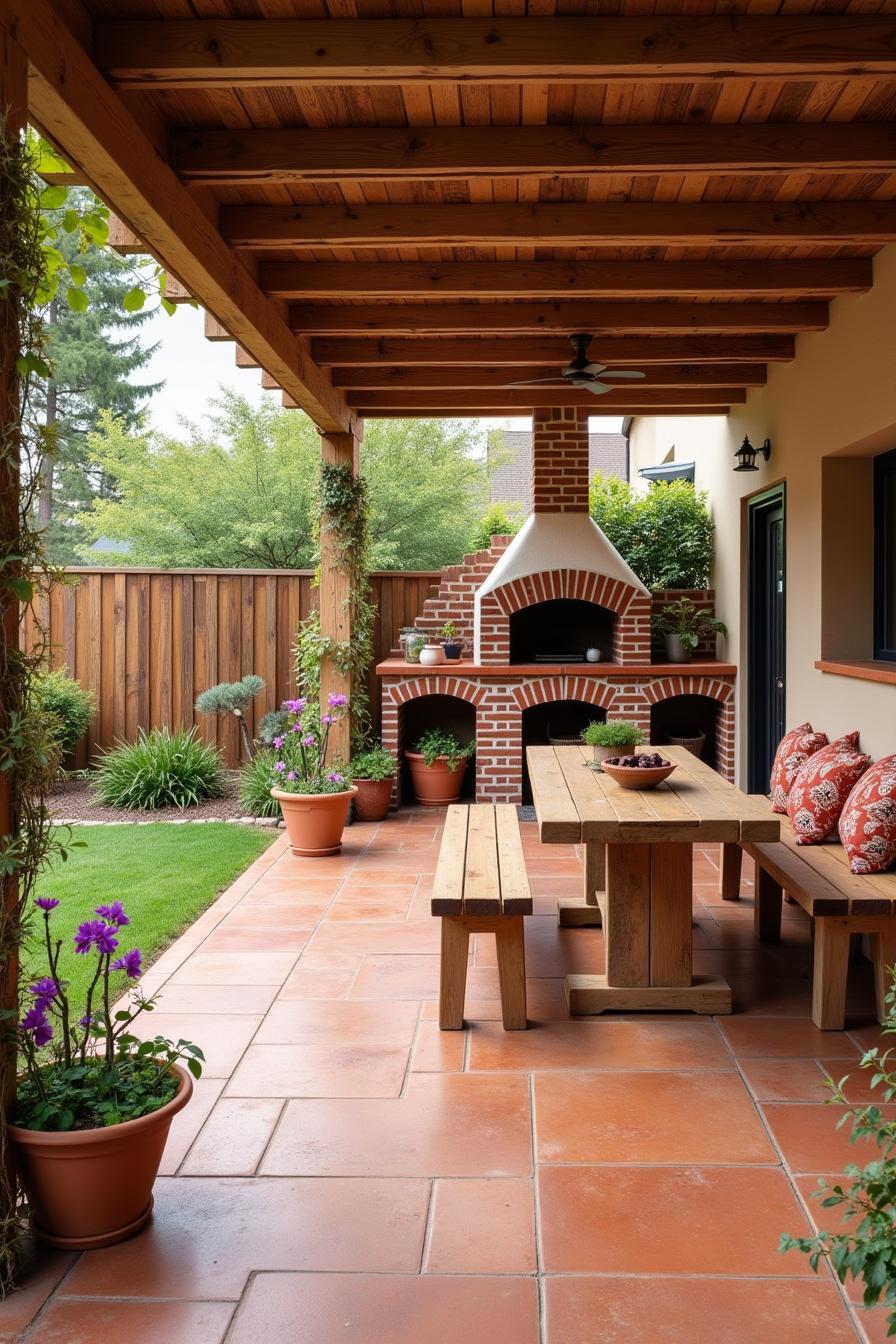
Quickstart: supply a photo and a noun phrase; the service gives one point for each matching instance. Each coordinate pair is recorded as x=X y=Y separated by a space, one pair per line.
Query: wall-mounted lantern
x=746 y=455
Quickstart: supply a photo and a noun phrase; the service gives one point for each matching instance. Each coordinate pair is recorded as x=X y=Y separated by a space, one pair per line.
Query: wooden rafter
x=482 y=376
x=651 y=319
x=209 y=53
x=469 y=410
x=625 y=351
x=520 y=280
x=69 y=97
x=624 y=401
x=365 y=153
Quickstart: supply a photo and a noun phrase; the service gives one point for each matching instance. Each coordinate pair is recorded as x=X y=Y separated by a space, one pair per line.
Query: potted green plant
x=683 y=624
x=95 y=1103
x=610 y=738
x=372 y=773
x=437 y=767
x=314 y=796
x=450 y=643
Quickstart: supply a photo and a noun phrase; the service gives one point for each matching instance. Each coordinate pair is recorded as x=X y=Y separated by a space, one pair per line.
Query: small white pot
x=432 y=655
x=593 y=655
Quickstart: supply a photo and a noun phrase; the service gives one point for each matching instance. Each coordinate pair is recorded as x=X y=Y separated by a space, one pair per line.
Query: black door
x=766 y=606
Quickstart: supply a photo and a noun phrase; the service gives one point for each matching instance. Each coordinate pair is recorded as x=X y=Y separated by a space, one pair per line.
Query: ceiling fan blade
x=594 y=369
x=537 y=382
x=621 y=373
x=596 y=388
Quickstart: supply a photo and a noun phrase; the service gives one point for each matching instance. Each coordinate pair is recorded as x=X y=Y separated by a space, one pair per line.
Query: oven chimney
x=560 y=460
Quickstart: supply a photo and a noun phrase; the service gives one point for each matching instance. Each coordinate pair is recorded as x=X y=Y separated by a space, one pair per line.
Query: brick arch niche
x=686 y=706
x=448 y=703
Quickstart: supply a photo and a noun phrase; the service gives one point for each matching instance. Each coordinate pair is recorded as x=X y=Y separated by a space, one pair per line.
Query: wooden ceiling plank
x=398 y=378
x=614 y=279
x=428 y=153
x=69 y=97
x=214 y=52
x=625 y=224
x=621 y=400
x=416 y=319
x=622 y=351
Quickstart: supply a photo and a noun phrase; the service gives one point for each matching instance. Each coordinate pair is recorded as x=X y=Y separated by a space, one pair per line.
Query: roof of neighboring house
x=512 y=478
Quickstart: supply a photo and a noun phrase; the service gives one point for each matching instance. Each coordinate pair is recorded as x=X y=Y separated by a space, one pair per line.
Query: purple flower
x=308 y=740
x=46 y=903
x=43 y=990
x=130 y=964
x=334 y=777
x=113 y=914
x=86 y=1021
x=292 y=775
x=279 y=766
x=297 y=728
x=278 y=742
x=337 y=701
x=35 y=1021
x=295 y=706
x=326 y=718
x=94 y=933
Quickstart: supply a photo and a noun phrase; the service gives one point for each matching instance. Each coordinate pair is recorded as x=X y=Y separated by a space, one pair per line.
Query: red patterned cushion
x=821 y=788
x=868 y=820
x=794 y=750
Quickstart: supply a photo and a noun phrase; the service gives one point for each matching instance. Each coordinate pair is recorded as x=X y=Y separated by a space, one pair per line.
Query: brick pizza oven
x=528 y=609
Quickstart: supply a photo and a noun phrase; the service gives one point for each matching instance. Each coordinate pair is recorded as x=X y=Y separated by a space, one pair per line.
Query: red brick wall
x=560 y=460
x=454 y=599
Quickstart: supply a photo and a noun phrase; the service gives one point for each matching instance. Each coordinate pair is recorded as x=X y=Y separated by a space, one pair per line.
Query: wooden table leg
x=648 y=938
x=575 y=913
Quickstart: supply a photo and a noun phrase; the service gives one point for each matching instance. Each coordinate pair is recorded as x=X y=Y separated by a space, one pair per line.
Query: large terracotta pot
x=93 y=1187
x=315 y=821
x=435 y=785
x=373 y=798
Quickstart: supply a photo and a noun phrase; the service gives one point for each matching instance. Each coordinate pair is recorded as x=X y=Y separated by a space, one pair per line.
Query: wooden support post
x=729 y=875
x=671 y=905
x=829 y=976
x=767 y=907
x=627 y=915
x=335 y=595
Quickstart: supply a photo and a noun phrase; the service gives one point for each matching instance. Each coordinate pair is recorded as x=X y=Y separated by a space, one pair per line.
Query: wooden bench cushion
x=819 y=877
x=481 y=868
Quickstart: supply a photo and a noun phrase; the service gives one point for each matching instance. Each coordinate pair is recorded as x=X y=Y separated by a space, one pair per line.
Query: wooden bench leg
x=767 y=907
x=453 y=973
x=830 y=973
x=511 y=950
x=883 y=951
x=729 y=875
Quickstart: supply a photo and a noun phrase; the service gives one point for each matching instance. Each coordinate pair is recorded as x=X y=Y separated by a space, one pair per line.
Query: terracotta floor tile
x=188 y=1122
x=647 y=1117
x=774 y=1038
x=209 y=1234
x=432 y=1309
x=312 y=960
x=233 y=1138
x=550 y=950
x=235 y=968
x=600 y=1045
x=409 y=977
x=696 y=1311
x=803 y=1079
x=420 y=936
x=256 y=940
x=245 y=915
x=759 y=996
x=810 y=1141
x=872 y=1325
x=318 y=1022
x=307 y=983
x=71 y=1322
x=451 y=1124
x=438 y=1051
x=482 y=1227
x=210 y=1000
x=668 y=1220
x=222 y=1039
x=545 y=1002
x=320 y=1070
x=354 y=912
x=40 y=1270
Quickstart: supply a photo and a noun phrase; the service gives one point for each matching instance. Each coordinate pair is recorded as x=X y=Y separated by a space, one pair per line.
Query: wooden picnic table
x=639 y=871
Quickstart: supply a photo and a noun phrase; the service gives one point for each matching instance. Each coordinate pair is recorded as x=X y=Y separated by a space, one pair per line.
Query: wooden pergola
x=399 y=208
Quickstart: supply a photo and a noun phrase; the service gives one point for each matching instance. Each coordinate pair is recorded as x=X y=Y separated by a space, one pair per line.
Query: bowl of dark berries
x=644 y=770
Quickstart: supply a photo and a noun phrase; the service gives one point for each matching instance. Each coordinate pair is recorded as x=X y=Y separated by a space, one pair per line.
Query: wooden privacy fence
x=147 y=641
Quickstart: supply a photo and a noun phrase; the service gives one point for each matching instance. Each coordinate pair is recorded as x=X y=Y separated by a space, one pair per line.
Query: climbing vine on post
x=341 y=498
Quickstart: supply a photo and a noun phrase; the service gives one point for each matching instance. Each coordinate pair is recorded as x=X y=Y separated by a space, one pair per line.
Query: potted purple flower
x=314 y=796
x=94 y=1102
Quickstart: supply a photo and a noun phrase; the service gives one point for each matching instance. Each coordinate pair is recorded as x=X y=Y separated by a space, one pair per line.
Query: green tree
x=665 y=535
x=241 y=494
x=495 y=522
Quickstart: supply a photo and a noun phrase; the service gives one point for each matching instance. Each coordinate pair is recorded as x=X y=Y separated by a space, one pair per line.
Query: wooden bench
x=481 y=887
x=841 y=903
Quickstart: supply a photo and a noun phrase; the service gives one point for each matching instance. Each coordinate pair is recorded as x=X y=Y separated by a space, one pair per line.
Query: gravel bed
x=73 y=800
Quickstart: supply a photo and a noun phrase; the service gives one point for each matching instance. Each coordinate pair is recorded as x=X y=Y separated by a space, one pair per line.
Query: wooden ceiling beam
x=563 y=317
x=628 y=352
x=214 y=52
x=433 y=152
x=624 y=401
x=485 y=376
x=585 y=224
x=96 y=131
x=471 y=412
x=730 y=278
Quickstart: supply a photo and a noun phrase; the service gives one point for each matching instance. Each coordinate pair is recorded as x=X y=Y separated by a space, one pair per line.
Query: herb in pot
x=687 y=622
x=435 y=745
x=613 y=733
x=374 y=764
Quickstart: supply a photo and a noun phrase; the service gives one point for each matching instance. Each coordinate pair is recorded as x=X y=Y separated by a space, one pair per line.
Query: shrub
x=375 y=764
x=435 y=743
x=233 y=697
x=255 y=785
x=666 y=535
x=613 y=733
x=274 y=724
x=495 y=522
x=69 y=702
x=160 y=769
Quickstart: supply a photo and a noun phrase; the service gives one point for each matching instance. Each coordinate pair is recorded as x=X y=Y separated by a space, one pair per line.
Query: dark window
x=885 y=557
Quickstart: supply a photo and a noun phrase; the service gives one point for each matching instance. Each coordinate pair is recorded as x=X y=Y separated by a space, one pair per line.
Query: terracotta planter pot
x=373 y=798
x=315 y=821
x=435 y=785
x=93 y=1187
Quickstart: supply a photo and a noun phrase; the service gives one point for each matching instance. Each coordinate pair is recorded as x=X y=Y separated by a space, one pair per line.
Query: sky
x=193 y=369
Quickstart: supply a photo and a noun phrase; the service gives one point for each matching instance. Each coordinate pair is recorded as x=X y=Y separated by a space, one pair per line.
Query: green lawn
x=164 y=876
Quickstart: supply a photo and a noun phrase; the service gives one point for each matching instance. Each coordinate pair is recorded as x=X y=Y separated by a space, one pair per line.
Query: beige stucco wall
x=838 y=397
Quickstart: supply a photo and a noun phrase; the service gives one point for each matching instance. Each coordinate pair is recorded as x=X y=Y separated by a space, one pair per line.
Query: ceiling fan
x=582 y=372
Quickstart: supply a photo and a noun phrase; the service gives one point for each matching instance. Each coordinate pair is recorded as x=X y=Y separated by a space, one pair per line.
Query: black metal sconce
x=746 y=455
